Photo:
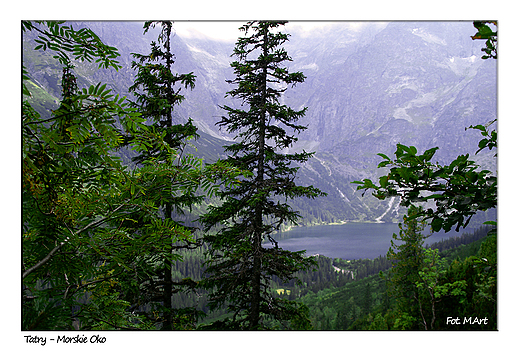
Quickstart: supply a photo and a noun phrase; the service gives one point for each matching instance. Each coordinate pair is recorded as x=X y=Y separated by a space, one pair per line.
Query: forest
x=126 y=227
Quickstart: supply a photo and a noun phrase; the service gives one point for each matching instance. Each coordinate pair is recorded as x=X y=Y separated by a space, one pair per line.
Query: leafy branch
x=73 y=234
x=458 y=190
x=489 y=35
x=83 y=44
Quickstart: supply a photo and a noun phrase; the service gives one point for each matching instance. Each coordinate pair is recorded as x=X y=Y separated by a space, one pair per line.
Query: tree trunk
x=168 y=286
x=257 y=234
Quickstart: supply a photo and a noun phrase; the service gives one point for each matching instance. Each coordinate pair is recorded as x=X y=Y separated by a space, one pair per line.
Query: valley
x=414 y=83
x=185 y=188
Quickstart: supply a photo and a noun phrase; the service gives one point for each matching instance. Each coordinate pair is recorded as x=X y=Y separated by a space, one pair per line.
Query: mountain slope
x=369 y=86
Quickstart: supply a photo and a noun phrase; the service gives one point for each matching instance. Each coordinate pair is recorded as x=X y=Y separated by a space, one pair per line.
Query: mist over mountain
x=369 y=86
x=409 y=83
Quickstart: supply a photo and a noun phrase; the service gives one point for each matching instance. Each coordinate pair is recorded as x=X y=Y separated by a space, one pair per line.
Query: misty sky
x=228 y=30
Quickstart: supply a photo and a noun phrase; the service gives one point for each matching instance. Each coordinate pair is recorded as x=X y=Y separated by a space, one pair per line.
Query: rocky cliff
x=368 y=87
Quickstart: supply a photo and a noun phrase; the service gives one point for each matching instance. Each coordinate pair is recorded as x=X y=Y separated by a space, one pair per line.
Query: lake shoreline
x=346 y=240
x=341 y=222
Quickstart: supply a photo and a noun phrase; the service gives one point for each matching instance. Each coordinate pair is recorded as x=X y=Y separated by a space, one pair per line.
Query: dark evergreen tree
x=408 y=260
x=157 y=90
x=240 y=268
x=367 y=299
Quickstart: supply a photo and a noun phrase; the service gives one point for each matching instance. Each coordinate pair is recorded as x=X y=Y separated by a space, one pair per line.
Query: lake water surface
x=347 y=241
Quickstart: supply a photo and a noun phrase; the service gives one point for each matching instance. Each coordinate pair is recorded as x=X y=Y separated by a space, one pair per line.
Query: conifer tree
x=157 y=91
x=408 y=260
x=240 y=267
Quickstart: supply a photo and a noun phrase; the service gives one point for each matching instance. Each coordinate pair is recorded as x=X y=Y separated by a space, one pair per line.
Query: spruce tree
x=240 y=268
x=157 y=91
x=408 y=260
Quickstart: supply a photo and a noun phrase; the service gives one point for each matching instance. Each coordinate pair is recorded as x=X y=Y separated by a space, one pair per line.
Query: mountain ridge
x=368 y=87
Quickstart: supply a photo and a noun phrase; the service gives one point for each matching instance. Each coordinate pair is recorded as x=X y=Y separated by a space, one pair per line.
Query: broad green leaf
x=493 y=223
x=436 y=224
x=383 y=181
x=384 y=156
x=429 y=154
x=383 y=164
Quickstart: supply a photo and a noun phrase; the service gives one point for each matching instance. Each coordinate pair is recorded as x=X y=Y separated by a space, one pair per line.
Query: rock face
x=368 y=87
x=410 y=82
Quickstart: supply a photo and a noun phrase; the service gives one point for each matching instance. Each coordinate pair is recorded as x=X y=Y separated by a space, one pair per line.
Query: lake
x=352 y=240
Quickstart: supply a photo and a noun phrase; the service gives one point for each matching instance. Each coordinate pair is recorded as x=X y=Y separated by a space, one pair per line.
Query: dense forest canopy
x=128 y=225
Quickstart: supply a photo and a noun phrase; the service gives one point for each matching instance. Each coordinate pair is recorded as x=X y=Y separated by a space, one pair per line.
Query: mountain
x=417 y=84
x=369 y=86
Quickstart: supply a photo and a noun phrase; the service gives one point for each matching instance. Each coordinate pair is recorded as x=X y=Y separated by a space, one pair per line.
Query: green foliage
x=435 y=267
x=484 y=32
x=239 y=268
x=490 y=137
x=465 y=288
x=429 y=285
x=74 y=190
x=407 y=260
x=103 y=242
x=427 y=289
x=155 y=84
x=82 y=44
x=69 y=44
x=458 y=190
x=341 y=306
x=379 y=323
x=176 y=178
x=94 y=230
